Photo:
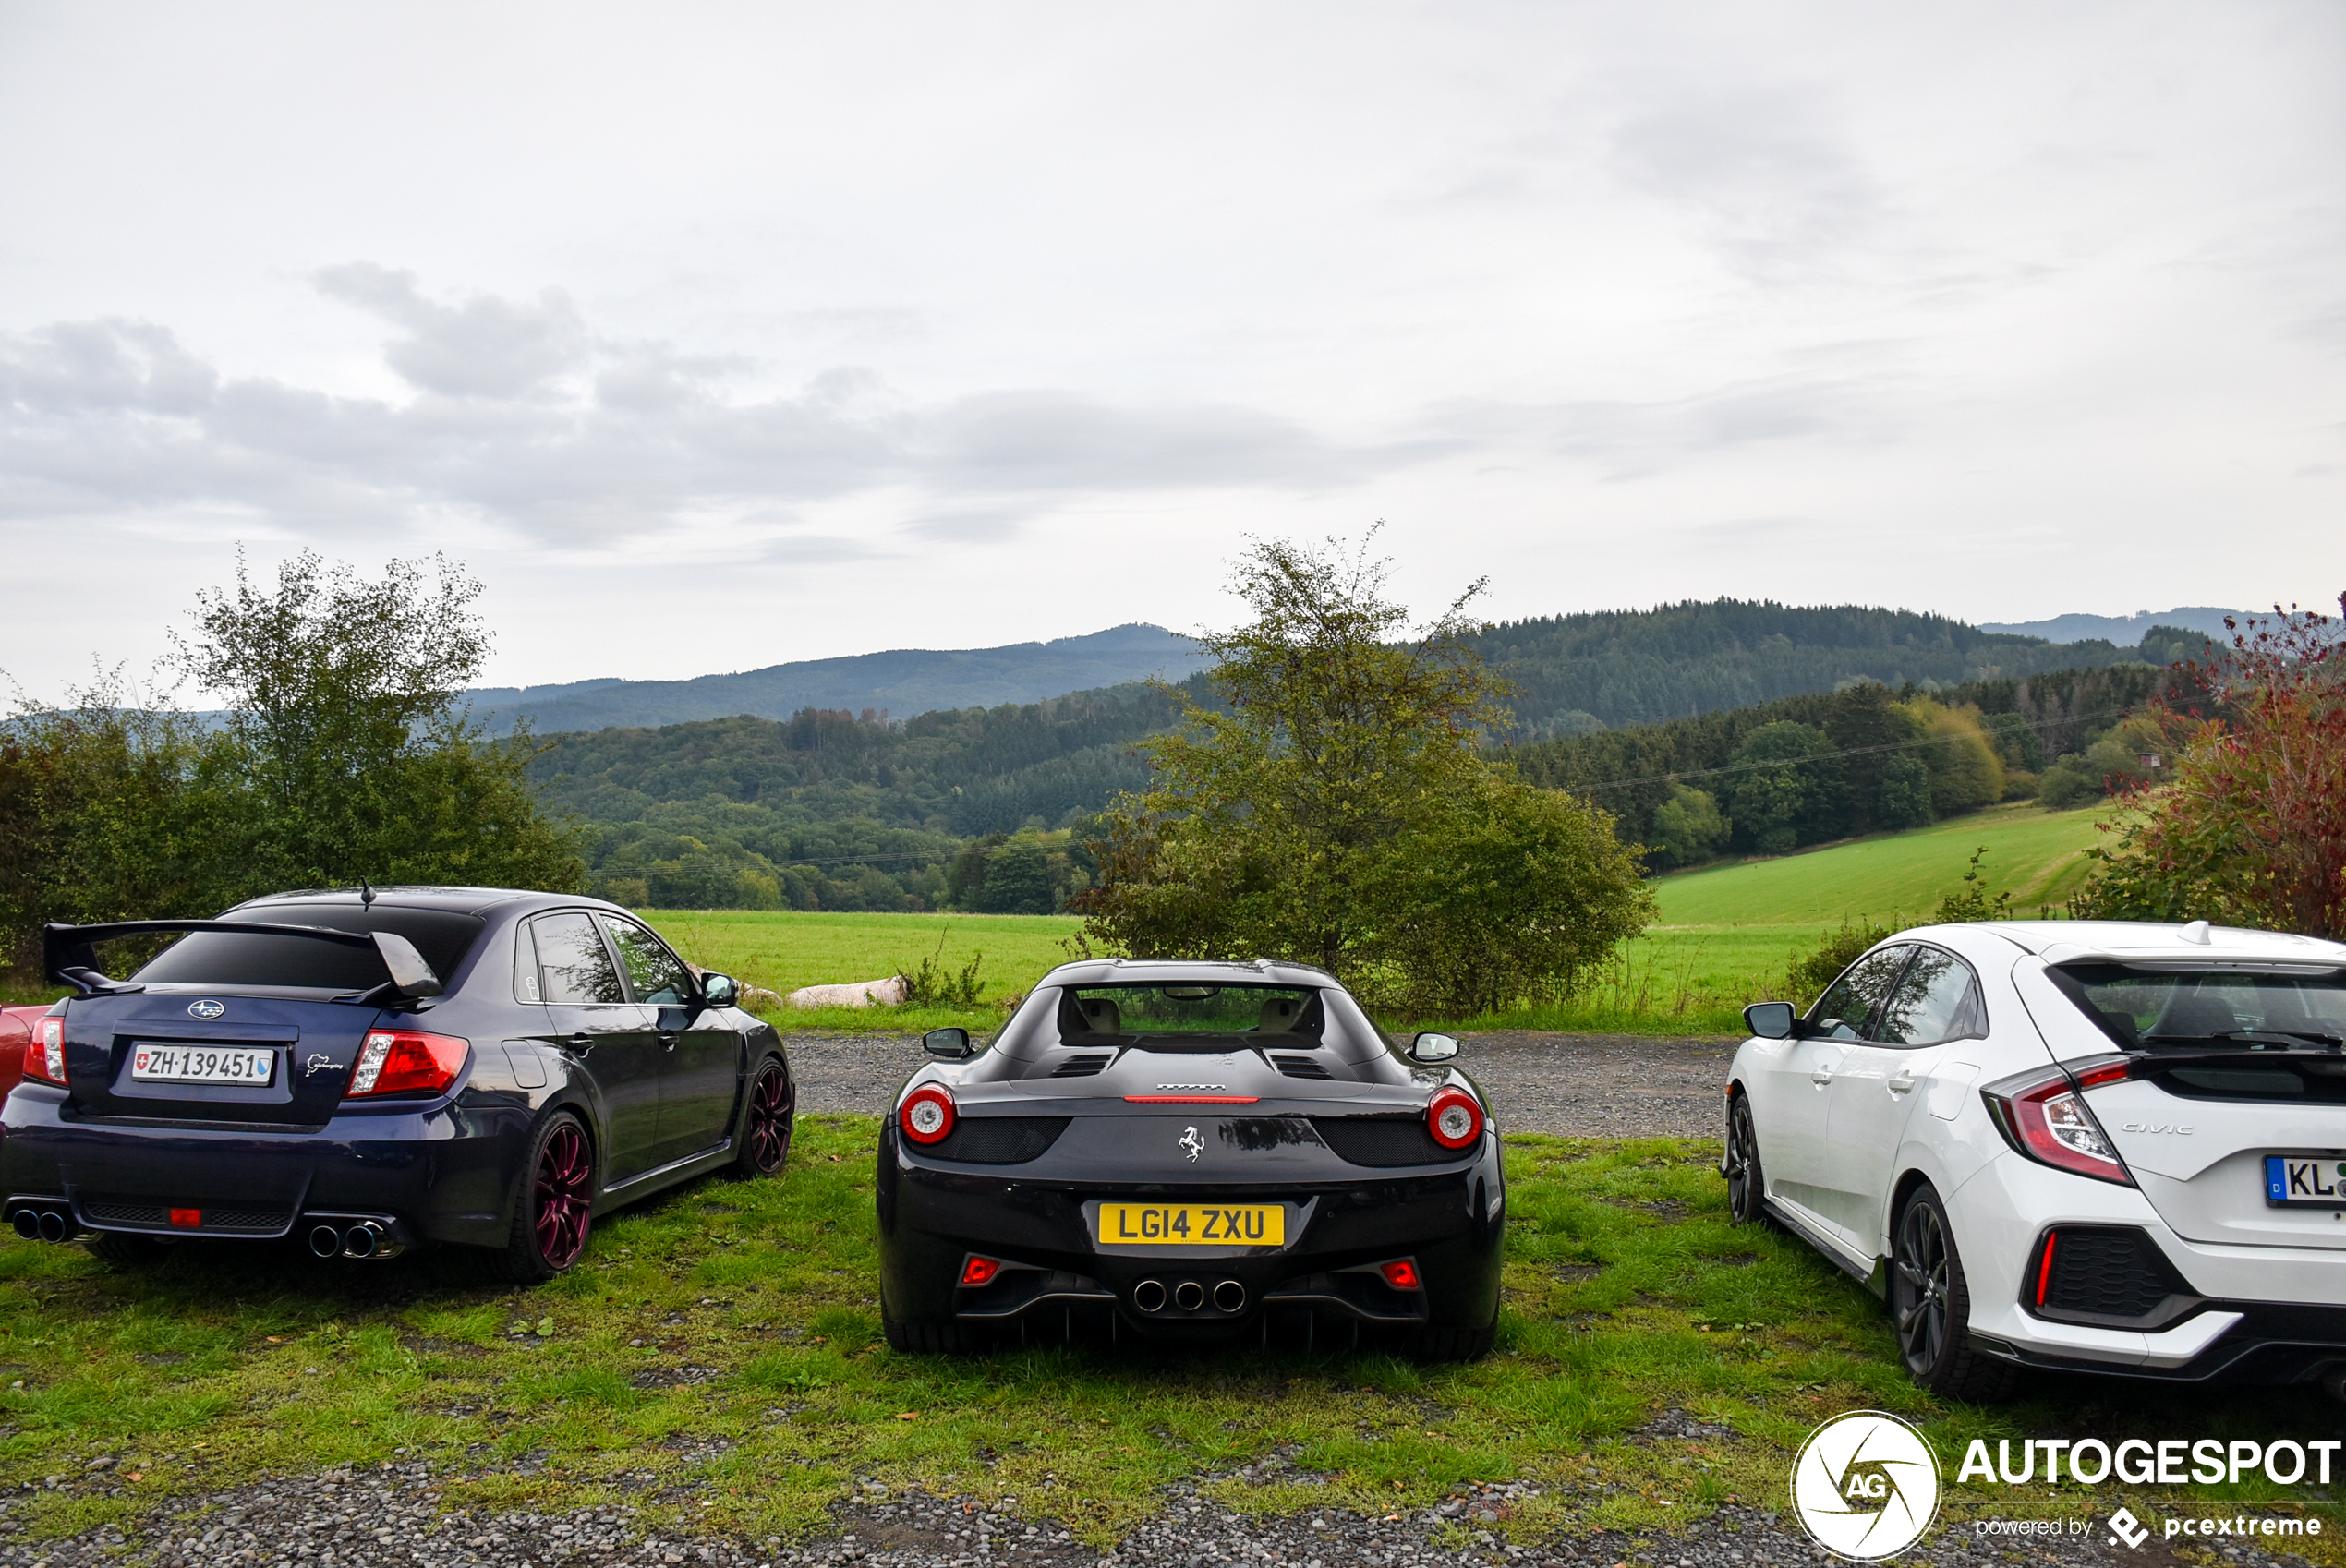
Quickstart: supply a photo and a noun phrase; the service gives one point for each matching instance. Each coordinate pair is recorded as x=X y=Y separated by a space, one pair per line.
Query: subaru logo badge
x=205 y=1010
x=1192 y=1144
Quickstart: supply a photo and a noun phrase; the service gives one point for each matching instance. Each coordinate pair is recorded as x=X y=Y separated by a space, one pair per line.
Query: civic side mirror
x=1432 y=1048
x=1770 y=1020
x=720 y=990
x=953 y=1045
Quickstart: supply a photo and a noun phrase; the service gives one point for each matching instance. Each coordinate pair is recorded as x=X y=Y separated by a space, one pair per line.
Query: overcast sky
x=717 y=335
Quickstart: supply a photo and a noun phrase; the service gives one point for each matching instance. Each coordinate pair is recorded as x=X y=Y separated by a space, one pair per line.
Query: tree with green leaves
x=350 y=756
x=1332 y=805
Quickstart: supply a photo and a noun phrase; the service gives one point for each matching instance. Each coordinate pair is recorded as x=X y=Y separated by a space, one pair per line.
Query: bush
x=927 y=983
x=2068 y=783
x=1689 y=827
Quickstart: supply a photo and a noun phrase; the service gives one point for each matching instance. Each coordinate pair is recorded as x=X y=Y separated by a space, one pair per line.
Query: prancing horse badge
x=1192 y=1144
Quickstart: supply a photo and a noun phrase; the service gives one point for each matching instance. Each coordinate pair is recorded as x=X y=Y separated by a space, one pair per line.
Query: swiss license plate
x=2305 y=1178
x=201 y=1064
x=1192 y=1225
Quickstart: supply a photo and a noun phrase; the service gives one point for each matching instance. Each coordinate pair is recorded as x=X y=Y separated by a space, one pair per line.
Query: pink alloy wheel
x=768 y=1130
x=564 y=1175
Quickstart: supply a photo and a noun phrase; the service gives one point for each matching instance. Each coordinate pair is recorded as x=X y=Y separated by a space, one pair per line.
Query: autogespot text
x=2090 y=1461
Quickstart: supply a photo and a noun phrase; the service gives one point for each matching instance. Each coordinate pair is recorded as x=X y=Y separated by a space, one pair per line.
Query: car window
x=574 y=967
x=2178 y=1007
x=653 y=973
x=1203 y=1015
x=222 y=958
x=1843 y=1011
x=1934 y=1000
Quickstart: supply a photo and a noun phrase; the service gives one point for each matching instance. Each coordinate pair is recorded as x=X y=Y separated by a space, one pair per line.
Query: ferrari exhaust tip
x=362 y=1240
x=1149 y=1296
x=325 y=1241
x=1230 y=1295
x=27 y=1222
x=53 y=1226
x=1188 y=1295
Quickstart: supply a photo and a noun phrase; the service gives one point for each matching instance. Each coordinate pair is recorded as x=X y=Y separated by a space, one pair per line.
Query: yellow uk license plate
x=1192 y=1225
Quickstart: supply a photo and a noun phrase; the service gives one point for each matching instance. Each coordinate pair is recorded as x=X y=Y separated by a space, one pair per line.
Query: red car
x=15 y=1030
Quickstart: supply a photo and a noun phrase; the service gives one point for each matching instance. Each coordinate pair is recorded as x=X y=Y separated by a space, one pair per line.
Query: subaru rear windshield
x=1201 y=1017
x=226 y=957
x=2142 y=1007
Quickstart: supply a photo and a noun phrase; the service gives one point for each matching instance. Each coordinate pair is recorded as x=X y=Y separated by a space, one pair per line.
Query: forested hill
x=1577 y=673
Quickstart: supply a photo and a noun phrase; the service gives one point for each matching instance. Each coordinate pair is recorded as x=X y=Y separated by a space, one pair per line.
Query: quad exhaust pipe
x=42 y=1225
x=1152 y=1296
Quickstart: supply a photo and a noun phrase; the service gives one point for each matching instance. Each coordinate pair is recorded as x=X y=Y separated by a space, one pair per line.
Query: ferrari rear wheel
x=916 y=1338
x=552 y=1204
x=764 y=1148
x=1451 y=1344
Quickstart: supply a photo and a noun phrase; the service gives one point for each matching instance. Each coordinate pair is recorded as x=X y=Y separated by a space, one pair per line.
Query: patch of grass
x=717 y=1360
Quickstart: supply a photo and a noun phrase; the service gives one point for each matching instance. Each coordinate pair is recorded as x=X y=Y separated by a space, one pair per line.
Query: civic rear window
x=1201 y=1017
x=2146 y=1009
x=225 y=958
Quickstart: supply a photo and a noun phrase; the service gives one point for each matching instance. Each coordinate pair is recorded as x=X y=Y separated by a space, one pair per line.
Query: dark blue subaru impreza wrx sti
x=370 y=1071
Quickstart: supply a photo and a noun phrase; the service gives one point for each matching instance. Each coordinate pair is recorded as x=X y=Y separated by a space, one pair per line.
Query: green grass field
x=1725 y=936
x=715 y=1362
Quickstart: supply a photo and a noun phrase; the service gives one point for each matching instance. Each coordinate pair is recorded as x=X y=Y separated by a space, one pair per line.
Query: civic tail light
x=44 y=1056
x=407 y=1061
x=1455 y=1118
x=2042 y=1115
x=926 y=1114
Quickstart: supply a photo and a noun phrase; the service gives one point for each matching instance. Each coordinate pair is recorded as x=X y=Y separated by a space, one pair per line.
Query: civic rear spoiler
x=68 y=953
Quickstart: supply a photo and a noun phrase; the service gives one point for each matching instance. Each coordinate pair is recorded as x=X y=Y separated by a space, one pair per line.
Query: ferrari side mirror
x=1432 y=1048
x=951 y=1044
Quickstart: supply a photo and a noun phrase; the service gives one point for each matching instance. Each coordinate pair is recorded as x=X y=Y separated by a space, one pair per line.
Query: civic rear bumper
x=442 y=1171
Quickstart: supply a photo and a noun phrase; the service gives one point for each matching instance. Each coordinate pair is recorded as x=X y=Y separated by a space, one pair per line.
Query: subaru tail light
x=2042 y=1115
x=44 y=1054
x=407 y=1061
x=926 y=1114
x=1455 y=1118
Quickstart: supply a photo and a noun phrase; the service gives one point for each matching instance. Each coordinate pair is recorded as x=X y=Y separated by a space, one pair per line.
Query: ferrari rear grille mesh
x=133 y=1212
x=1382 y=1140
x=1299 y=1067
x=998 y=1140
x=2105 y=1272
x=1082 y=1067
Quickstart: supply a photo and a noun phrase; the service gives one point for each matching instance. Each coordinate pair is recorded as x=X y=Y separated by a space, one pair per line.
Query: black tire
x=917 y=1338
x=118 y=1251
x=1451 y=1344
x=554 y=1203
x=767 y=1113
x=1746 y=1182
x=1930 y=1307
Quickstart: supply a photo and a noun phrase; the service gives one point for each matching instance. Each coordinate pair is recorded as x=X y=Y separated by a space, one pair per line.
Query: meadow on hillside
x=1725 y=934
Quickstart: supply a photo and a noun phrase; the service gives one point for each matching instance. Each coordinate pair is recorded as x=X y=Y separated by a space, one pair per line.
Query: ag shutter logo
x=1865 y=1486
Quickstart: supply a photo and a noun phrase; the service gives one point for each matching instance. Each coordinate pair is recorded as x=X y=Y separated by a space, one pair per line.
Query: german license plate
x=2305 y=1178
x=1192 y=1225
x=201 y=1064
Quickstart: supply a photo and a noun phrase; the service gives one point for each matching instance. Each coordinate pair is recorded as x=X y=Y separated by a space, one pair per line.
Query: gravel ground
x=1574 y=1085
x=392 y=1518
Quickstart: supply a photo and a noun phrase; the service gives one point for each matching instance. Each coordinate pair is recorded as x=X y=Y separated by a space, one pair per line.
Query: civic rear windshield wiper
x=2311 y=1036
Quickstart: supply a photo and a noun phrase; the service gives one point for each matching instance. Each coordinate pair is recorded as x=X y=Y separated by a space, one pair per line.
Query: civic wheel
x=1930 y=1307
x=1747 y=1184
x=554 y=1203
x=764 y=1148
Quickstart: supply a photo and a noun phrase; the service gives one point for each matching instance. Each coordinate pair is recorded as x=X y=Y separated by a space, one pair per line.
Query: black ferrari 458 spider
x=1184 y=1150
x=366 y=1070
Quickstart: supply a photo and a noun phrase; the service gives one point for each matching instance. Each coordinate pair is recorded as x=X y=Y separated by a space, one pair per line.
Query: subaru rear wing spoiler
x=68 y=953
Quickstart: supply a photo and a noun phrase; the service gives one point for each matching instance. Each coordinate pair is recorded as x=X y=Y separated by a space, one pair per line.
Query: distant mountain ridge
x=904 y=681
x=2203 y=618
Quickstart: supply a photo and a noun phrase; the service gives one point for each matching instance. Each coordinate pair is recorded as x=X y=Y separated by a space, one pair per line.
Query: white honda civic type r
x=2101 y=1147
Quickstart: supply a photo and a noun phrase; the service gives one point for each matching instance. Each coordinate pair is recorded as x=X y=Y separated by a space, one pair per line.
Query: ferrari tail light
x=2042 y=1115
x=407 y=1061
x=1455 y=1118
x=45 y=1058
x=980 y=1270
x=1401 y=1274
x=926 y=1114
